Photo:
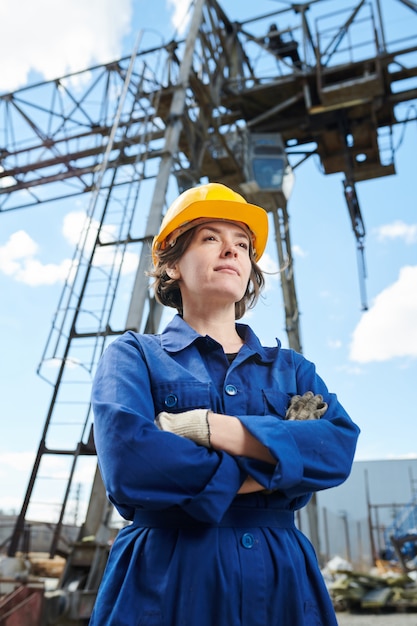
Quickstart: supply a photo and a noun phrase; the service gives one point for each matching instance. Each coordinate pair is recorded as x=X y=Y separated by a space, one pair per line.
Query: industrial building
x=163 y=120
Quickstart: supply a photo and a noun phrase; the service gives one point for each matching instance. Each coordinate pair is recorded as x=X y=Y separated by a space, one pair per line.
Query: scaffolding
x=138 y=130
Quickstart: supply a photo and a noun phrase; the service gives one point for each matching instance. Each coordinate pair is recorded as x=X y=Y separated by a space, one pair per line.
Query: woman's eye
x=244 y=245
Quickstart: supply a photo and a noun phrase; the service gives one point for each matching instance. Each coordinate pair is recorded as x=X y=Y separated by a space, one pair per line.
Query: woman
x=209 y=441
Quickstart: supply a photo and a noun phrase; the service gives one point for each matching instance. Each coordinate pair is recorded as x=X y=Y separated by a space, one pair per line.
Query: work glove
x=192 y=424
x=306 y=407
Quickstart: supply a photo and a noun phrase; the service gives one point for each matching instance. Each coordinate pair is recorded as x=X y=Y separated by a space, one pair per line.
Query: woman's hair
x=167 y=290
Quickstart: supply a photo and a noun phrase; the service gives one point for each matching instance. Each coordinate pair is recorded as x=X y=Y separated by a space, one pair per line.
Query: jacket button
x=230 y=390
x=247 y=541
x=171 y=400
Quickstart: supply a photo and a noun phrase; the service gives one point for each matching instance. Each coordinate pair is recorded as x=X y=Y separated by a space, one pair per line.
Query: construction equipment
x=184 y=111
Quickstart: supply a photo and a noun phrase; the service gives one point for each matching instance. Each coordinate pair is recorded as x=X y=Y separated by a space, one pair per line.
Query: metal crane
x=231 y=103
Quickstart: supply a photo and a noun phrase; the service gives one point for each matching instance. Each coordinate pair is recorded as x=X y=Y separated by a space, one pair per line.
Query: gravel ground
x=388 y=619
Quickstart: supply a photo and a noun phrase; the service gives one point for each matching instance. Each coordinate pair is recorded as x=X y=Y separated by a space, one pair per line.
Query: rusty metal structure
x=125 y=138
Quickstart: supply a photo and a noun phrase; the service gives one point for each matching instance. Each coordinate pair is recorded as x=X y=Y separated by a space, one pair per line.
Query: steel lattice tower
x=159 y=121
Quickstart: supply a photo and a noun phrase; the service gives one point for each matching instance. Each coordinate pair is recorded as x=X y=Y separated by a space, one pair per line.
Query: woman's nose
x=229 y=250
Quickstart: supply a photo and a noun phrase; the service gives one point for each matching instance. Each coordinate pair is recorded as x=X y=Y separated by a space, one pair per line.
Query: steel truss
x=128 y=135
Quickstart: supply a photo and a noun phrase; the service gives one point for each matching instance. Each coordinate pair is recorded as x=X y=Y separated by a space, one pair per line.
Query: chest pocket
x=181 y=396
x=275 y=402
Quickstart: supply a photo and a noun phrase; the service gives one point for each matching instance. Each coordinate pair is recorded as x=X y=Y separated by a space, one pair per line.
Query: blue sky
x=368 y=358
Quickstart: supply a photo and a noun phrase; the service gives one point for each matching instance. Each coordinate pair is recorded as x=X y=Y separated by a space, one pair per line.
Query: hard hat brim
x=252 y=215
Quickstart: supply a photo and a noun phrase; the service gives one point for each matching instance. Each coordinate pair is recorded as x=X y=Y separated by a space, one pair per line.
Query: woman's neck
x=220 y=328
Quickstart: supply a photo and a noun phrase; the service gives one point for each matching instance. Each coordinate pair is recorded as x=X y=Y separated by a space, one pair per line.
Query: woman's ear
x=173 y=272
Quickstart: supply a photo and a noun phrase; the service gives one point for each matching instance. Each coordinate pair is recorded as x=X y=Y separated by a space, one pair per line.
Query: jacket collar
x=178 y=335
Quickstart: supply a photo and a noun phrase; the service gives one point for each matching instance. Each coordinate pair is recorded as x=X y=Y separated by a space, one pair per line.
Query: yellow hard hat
x=213 y=201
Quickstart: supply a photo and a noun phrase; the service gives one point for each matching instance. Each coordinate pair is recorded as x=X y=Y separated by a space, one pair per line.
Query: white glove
x=306 y=407
x=192 y=424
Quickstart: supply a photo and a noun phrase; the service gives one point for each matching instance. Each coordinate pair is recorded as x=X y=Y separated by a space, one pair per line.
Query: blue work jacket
x=197 y=554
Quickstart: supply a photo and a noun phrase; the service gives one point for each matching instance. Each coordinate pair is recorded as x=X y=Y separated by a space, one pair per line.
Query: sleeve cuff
x=274 y=435
x=211 y=504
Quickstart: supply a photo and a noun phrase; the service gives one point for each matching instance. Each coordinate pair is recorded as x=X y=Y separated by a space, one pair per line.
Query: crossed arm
x=227 y=433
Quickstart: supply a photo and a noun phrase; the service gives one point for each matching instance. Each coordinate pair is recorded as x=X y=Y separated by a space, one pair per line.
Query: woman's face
x=216 y=266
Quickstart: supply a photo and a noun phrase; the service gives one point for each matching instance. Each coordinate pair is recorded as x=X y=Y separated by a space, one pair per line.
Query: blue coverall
x=196 y=553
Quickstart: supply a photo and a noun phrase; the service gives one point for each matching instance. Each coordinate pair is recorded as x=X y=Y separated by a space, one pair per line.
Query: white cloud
x=389 y=330
x=18 y=255
x=15 y=461
x=54 y=37
x=298 y=251
x=75 y=223
x=398 y=230
x=19 y=246
x=6 y=181
x=17 y=260
x=15 y=468
x=268 y=264
x=34 y=273
x=54 y=465
x=271 y=271
x=334 y=344
x=181 y=14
